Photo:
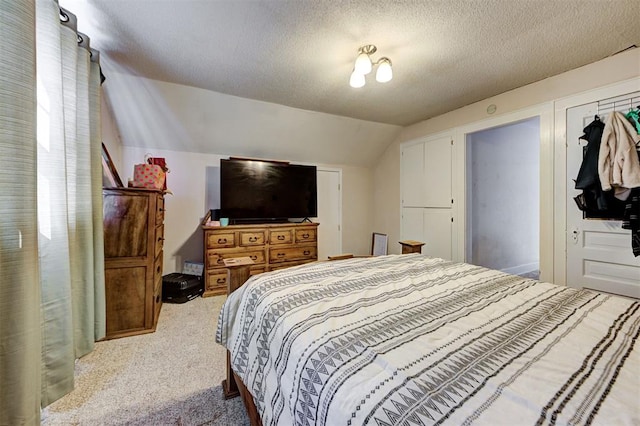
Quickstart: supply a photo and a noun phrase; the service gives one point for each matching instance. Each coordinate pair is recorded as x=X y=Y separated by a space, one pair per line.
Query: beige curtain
x=51 y=248
x=19 y=286
x=69 y=146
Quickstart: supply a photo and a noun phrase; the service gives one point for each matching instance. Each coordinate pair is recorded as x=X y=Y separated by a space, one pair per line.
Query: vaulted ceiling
x=300 y=53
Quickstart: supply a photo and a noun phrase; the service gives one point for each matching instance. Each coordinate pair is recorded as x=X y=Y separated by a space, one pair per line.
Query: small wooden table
x=238 y=273
x=411 y=246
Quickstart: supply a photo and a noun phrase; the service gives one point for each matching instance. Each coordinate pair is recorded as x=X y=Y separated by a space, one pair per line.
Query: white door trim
x=339 y=171
x=560 y=168
x=545 y=112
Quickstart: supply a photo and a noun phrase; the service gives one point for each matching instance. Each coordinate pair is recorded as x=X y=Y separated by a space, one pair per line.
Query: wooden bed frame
x=232 y=386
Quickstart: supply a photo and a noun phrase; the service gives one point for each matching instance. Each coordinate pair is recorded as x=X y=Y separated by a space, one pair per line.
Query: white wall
x=110 y=135
x=186 y=207
x=503 y=196
x=193 y=128
x=617 y=68
x=161 y=115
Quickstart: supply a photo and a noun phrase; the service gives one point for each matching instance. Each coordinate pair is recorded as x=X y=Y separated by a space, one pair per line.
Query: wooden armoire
x=133 y=241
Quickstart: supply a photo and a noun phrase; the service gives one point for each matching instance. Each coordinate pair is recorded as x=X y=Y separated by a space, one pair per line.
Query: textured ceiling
x=300 y=53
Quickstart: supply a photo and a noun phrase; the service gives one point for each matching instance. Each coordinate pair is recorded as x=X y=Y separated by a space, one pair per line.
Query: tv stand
x=270 y=246
x=306 y=219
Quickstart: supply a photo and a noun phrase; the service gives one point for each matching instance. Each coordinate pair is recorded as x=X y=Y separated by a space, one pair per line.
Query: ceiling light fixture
x=364 y=65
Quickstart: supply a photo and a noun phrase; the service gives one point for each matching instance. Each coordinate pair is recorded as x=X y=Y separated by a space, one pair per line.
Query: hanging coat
x=593 y=199
x=618 y=165
x=588 y=174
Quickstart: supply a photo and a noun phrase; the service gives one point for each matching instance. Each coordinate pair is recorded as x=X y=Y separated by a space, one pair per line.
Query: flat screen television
x=266 y=191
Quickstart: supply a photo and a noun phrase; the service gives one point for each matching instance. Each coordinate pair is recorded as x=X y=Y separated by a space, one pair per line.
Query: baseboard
x=521 y=269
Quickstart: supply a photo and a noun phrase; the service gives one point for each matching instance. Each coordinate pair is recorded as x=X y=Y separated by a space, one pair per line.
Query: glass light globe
x=384 y=72
x=356 y=80
x=363 y=64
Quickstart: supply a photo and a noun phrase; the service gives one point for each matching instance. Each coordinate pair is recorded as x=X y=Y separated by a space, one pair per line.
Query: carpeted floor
x=170 y=377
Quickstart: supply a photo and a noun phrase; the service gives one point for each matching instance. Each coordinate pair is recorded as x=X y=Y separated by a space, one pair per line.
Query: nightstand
x=411 y=246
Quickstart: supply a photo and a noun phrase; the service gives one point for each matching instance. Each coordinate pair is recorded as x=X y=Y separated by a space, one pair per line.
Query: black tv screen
x=261 y=190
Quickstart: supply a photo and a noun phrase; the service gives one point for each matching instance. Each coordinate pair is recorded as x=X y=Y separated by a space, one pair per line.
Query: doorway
x=503 y=198
x=599 y=254
x=329 y=212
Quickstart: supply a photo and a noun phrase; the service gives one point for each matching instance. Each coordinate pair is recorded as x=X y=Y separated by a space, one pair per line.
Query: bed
x=414 y=340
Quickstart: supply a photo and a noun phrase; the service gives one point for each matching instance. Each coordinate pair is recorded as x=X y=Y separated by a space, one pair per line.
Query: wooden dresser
x=133 y=240
x=270 y=246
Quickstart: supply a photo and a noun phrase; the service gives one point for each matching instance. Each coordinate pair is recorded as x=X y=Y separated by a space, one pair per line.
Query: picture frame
x=379 y=243
x=110 y=176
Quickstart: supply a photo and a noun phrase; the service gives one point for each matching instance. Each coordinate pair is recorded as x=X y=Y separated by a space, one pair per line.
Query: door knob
x=575 y=235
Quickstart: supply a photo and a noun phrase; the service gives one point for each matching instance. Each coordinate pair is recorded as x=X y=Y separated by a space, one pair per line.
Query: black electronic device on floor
x=180 y=288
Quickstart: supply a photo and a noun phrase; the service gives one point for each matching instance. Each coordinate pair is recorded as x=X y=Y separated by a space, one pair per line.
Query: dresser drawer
x=306 y=235
x=252 y=238
x=159 y=239
x=217 y=279
x=159 y=210
x=281 y=236
x=286 y=254
x=221 y=239
x=285 y=265
x=255 y=270
x=157 y=300
x=216 y=257
x=157 y=268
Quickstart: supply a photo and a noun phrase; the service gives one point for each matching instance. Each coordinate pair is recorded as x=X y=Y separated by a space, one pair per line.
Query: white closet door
x=426 y=195
x=437 y=172
x=413 y=179
x=437 y=233
x=599 y=255
x=329 y=213
x=412 y=224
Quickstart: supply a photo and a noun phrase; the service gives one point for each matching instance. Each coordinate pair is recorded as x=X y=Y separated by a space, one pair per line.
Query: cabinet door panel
x=437 y=233
x=437 y=173
x=125 y=294
x=413 y=186
x=125 y=225
x=412 y=224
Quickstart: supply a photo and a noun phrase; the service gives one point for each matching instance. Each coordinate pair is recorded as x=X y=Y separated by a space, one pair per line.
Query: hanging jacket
x=618 y=164
x=634 y=117
x=593 y=199
x=588 y=174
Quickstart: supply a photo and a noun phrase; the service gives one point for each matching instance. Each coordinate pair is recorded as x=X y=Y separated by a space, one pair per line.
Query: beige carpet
x=170 y=377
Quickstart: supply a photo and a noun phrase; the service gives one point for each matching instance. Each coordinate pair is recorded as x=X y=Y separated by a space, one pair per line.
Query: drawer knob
x=281 y=254
x=160 y=209
x=254 y=257
x=160 y=238
x=158 y=299
x=305 y=236
x=253 y=239
x=280 y=237
x=222 y=240
x=306 y=252
x=158 y=269
x=221 y=280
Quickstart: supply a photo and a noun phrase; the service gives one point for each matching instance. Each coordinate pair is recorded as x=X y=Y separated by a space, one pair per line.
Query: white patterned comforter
x=412 y=340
